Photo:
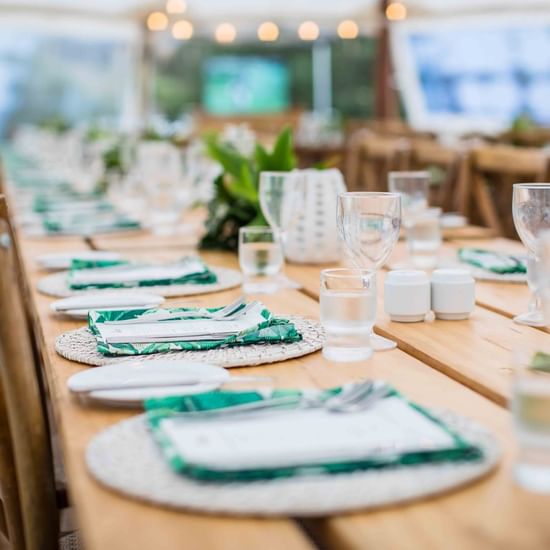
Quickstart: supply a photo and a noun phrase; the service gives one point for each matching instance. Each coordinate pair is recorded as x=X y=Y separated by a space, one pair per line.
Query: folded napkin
x=298 y=442
x=495 y=262
x=256 y=326
x=81 y=263
x=187 y=271
x=63 y=203
x=83 y=225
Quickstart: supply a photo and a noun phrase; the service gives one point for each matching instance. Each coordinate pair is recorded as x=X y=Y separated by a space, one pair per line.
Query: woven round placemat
x=80 y=345
x=126 y=458
x=56 y=285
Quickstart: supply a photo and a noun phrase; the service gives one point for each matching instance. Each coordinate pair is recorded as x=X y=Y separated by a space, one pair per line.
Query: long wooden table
x=450 y=365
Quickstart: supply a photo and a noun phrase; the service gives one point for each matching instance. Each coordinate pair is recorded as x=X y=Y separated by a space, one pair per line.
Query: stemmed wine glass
x=369 y=225
x=282 y=198
x=531 y=211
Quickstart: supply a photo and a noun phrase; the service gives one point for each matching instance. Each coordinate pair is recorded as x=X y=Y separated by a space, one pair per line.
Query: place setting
x=289 y=452
x=186 y=277
x=239 y=334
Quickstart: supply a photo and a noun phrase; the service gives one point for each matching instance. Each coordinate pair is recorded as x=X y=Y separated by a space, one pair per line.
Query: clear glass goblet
x=531 y=211
x=369 y=225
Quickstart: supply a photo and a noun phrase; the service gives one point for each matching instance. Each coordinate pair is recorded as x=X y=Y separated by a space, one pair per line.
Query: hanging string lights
x=308 y=31
x=268 y=31
x=225 y=33
x=157 y=21
x=396 y=11
x=182 y=30
x=176 y=7
x=348 y=30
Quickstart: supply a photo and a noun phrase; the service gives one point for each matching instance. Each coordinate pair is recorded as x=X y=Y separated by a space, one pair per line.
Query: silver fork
x=358 y=398
x=229 y=311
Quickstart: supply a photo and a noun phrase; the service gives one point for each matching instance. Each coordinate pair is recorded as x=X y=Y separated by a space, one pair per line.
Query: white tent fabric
x=241 y=11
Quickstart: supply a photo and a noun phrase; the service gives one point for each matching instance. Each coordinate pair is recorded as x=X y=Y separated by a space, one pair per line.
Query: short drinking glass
x=260 y=258
x=531 y=414
x=413 y=188
x=423 y=236
x=348 y=312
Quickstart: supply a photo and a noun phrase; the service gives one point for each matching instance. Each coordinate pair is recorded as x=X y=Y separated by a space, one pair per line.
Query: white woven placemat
x=80 y=345
x=126 y=458
x=56 y=285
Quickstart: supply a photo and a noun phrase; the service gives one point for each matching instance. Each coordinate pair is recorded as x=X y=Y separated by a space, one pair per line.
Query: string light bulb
x=157 y=21
x=348 y=30
x=268 y=32
x=182 y=30
x=226 y=33
x=396 y=11
x=176 y=6
x=308 y=30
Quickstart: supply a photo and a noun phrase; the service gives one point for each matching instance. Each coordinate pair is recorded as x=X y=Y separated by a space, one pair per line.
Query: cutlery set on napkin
x=132 y=332
x=318 y=432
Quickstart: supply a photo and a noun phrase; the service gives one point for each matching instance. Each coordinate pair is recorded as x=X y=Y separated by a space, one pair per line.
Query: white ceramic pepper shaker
x=407 y=295
x=453 y=294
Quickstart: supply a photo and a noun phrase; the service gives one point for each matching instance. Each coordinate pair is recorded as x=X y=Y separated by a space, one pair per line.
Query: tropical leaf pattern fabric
x=272 y=330
x=158 y=410
x=204 y=276
x=495 y=262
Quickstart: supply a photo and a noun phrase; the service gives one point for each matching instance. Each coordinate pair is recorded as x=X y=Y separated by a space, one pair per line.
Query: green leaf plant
x=236 y=201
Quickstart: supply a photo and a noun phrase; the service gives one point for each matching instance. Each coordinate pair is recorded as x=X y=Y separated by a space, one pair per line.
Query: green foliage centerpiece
x=236 y=202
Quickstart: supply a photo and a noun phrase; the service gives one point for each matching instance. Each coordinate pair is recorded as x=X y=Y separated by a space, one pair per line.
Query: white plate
x=154 y=372
x=63 y=260
x=78 y=306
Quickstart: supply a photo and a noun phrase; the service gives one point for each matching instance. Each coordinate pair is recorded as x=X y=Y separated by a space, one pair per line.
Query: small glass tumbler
x=260 y=258
x=423 y=237
x=531 y=414
x=348 y=312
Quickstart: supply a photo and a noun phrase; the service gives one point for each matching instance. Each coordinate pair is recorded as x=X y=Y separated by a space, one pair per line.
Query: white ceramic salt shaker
x=407 y=295
x=453 y=294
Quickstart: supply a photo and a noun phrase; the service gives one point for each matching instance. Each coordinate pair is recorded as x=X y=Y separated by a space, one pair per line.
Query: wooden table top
x=436 y=363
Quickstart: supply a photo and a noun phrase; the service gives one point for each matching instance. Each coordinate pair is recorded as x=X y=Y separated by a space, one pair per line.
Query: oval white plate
x=94 y=383
x=63 y=260
x=78 y=306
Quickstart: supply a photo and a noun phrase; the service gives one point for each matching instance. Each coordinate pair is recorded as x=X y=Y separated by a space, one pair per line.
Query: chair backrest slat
x=494 y=169
x=372 y=157
x=26 y=411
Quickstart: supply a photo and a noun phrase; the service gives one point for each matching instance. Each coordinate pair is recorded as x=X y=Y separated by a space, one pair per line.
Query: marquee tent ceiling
x=242 y=10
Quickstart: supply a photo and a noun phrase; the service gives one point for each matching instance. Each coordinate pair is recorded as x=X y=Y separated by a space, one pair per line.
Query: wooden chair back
x=449 y=169
x=26 y=417
x=493 y=171
x=371 y=157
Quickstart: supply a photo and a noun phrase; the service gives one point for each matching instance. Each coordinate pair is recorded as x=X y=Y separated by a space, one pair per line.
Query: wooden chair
x=449 y=169
x=24 y=414
x=493 y=171
x=370 y=159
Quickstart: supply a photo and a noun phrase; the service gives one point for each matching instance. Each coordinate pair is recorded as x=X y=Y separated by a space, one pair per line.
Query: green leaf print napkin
x=189 y=270
x=298 y=442
x=257 y=326
x=495 y=262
